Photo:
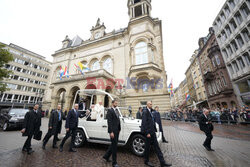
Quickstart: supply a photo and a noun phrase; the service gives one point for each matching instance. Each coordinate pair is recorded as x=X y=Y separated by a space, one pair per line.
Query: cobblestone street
x=184 y=149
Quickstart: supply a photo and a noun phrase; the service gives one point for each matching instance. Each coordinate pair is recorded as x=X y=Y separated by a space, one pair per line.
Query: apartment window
x=218 y=85
x=224 y=36
x=224 y=81
x=214 y=87
x=236 y=67
x=233 y=24
x=238 y=18
x=245 y=10
x=245 y=34
x=26 y=63
x=213 y=61
x=227 y=10
x=18 y=69
x=210 y=89
x=217 y=59
x=247 y=58
x=219 y=22
x=229 y=49
x=230 y=67
x=231 y=4
x=223 y=18
x=16 y=77
x=228 y=30
x=19 y=87
x=241 y=62
x=224 y=52
x=235 y=46
x=141 y=53
x=240 y=40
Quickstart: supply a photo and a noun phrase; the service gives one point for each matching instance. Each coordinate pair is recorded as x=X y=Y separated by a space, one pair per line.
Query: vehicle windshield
x=18 y=111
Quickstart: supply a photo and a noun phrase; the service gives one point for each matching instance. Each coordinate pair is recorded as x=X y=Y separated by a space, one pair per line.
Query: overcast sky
x=41 y=25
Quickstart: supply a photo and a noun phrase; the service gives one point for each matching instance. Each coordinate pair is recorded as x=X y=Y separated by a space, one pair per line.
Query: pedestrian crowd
x=219 y=115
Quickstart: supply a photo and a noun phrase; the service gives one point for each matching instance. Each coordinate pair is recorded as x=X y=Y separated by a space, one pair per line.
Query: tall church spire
x=139 y=8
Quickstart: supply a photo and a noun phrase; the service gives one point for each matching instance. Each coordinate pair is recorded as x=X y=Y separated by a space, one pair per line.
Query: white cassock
x=99 y=109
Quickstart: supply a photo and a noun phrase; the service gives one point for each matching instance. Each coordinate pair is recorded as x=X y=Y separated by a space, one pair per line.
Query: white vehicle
x=96 y=130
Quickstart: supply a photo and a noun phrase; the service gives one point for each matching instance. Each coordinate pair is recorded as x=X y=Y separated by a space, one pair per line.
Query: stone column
x=68 y=100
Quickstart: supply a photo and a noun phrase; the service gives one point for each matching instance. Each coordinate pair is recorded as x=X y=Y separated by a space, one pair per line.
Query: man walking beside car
x=55 y=126
x=148 y=128
x=71 y=127
x=114 y=128
x=32 y=123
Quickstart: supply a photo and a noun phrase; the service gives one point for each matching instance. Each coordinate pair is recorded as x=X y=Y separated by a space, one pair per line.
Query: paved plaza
x=231 y=144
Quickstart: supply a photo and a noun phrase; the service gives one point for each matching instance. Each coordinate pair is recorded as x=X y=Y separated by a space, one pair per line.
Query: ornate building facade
x=127 y=62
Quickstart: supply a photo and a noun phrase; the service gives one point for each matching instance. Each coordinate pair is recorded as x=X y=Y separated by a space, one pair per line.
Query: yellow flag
x=80 y=65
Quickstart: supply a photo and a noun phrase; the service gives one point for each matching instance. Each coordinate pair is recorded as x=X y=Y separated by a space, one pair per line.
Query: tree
x=5 y=57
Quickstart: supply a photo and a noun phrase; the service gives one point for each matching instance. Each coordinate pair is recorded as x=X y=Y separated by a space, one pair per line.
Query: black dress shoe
x=115 y=165
x=165 y=164
x=165 y=141
x=207 y=148
x=211 y=149
x=106 y=159
x=54 y=147
x=149 y=164
x=24 y=150
x=72 y=150
x=61 y=149
x=30 y=151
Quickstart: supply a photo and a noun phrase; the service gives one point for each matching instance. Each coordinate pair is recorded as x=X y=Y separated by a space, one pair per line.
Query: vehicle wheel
x=5 y=126
x=80 y=138
x=138 y=145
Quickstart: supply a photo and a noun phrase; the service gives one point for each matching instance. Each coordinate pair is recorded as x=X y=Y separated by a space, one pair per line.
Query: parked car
x=12 y=118
x=96 y=131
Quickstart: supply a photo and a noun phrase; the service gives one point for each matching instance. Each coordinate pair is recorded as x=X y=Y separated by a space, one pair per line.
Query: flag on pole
x=61 y=72
x=170 y=88
x=187 y=96
x=79 y=69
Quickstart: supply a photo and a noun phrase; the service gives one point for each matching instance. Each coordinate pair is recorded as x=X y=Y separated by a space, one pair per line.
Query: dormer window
x=137 y=1
x=138 y=11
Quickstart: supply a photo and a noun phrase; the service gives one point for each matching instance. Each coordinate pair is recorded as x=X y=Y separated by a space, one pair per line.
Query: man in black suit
x=32 y=123
x=55 y=126
x=148 y=128
x=71 y=126
x=207 y=127
x=114 y=128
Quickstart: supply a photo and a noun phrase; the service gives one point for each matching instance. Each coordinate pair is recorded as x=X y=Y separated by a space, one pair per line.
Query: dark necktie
x=117 y=113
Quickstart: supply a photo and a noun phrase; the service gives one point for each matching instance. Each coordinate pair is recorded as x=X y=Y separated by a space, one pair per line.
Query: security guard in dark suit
x=114 y=128
x=148 y=128
x=55 y=126
x=207 y=127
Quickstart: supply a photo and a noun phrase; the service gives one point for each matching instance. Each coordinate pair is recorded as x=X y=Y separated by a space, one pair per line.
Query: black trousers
x=72 y=133
x=163 y=137
x=48 y=136
x=157 y=149
x=27 y=144
x=112 y=149
x=209 y=138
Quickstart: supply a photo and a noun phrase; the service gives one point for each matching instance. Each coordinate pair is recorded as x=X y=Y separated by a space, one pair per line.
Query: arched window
x=141 y=53
x=108 y=65
x=95 y=66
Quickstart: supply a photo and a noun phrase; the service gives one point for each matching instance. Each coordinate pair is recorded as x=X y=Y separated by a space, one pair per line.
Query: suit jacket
x=204 y=125
x=114 y=124
x=138 y=115
x=157 y=118
x=148 y=124
x=72 y=119
x=54 y=121
x=32 y=122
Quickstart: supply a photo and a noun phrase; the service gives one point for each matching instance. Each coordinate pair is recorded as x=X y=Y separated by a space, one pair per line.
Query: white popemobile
x=93 y=128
